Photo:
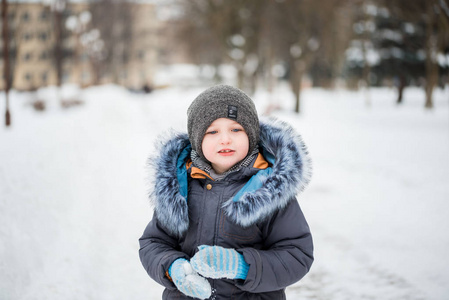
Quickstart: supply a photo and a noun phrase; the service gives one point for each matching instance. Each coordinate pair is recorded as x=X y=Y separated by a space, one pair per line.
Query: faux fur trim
x=292 y=171
x=291 y=174
x=170 y=206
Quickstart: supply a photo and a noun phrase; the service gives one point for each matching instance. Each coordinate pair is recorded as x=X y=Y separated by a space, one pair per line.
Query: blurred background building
x=82 y=43
x=328 y=43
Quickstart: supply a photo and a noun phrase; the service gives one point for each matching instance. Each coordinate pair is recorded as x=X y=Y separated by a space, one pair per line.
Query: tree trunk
x=240 y=77
x=401 y=87
x=430 y=84
x=365 y=76
x=7 y=80
x=58 y=45
x=431 y=66
x=252 y=83
x=295 y=83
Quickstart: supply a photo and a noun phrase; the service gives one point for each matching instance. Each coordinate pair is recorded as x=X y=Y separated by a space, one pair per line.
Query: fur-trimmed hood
x=267 y=192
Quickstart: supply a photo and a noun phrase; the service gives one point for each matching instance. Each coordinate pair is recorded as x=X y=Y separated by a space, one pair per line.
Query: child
x=226 y=223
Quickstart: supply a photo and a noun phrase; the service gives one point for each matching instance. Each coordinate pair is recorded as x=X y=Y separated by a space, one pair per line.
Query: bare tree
x=58 y=9
x=437 y=28
x=434 y=16
x=115 y=29
x=216 y=32
x=197 y=30
x=303 y=28
x=6 y=71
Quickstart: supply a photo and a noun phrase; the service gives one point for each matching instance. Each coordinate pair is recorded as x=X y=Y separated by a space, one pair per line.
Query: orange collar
x=197 y=173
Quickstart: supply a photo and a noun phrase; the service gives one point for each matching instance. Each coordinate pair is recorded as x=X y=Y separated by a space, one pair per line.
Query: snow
x=73 y=192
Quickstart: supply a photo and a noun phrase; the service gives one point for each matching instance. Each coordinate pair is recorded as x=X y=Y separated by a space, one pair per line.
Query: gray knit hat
x=221 y=101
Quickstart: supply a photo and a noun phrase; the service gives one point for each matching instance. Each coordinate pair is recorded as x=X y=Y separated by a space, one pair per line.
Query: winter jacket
x=253 y=210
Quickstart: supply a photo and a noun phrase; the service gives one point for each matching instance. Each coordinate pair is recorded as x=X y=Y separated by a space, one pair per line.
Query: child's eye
x=236 y=130
x=212 y=132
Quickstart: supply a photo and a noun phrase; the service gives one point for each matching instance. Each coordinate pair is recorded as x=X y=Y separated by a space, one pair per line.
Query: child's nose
x=225 y=138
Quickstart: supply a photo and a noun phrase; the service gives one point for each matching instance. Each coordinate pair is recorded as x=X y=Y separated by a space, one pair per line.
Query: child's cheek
x=208 y=146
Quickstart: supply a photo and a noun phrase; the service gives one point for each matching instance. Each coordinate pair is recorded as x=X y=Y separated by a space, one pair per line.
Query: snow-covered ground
x=73 y=193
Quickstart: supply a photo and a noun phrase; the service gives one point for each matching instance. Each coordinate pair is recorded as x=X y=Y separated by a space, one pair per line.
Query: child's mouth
x=226 y=152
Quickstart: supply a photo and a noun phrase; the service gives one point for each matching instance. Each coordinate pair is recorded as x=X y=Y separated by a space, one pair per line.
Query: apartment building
x=98 y=45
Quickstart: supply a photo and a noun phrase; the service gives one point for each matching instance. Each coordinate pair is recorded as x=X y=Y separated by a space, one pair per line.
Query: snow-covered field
x=73 y=193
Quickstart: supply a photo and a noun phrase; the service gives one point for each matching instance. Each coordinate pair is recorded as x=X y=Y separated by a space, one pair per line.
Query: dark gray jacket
x=253 y=210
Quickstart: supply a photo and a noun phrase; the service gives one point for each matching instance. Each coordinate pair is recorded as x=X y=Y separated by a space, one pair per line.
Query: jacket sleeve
x=158 y=250
x=287 y=255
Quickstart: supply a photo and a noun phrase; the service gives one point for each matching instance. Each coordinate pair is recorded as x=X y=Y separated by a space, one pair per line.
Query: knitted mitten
x=188 y=281
x=219 y=262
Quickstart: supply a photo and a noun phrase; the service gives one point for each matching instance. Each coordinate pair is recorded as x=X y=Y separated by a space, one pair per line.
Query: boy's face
x=225 y=144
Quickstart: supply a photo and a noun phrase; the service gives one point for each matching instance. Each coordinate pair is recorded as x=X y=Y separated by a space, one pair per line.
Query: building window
x=27 y=56
x=25 y=17
x=28 y=76
x=43 y=36
x=27 y=36
x=44 y=55
x=11 y=16
x=125 y=58
x=141 y=55
x=44 y=77
x=44 y=15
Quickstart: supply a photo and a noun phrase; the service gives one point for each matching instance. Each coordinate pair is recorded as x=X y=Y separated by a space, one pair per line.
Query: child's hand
x=219 y=262
x=188 y=281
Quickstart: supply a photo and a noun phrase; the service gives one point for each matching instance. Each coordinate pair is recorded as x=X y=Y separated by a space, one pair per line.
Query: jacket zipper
x=216 y=230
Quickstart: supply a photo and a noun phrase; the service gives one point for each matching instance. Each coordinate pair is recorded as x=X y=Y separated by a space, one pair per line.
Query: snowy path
x=73 y=195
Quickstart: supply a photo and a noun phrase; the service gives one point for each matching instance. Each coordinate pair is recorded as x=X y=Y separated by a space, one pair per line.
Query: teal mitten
x=219 y=262
x=188 y=281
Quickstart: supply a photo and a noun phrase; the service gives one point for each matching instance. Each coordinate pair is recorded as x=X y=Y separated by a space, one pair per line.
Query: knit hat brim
x=222 y=101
